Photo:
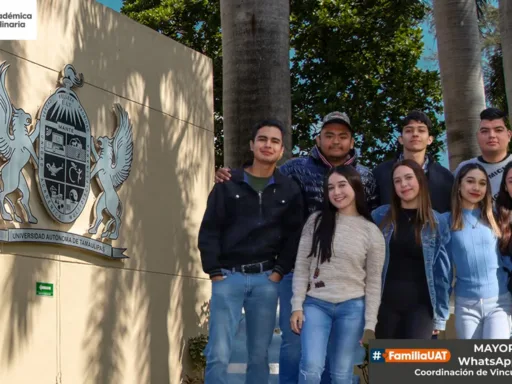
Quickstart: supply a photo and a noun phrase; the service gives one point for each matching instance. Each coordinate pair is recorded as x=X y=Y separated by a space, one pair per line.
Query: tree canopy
x=356 y=56
x=494 y=76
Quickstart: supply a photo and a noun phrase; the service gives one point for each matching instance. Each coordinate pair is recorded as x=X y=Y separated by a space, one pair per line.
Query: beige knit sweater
x=355 y=268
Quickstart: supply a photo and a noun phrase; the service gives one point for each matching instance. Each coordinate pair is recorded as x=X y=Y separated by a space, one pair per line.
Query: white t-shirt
x=494 y=171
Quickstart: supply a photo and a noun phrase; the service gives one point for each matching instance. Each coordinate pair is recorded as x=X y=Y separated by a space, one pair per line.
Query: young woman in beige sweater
x=337 y=279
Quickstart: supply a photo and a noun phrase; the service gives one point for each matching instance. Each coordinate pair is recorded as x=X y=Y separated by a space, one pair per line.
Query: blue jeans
x=483 y=318
x=343 y=325
x=258 y=296
x=289 y=354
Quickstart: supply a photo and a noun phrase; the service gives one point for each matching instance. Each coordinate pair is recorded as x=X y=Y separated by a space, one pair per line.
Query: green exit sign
x=44 y=289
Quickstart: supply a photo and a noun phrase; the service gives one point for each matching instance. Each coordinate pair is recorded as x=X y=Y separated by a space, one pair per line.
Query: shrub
x=196 y=346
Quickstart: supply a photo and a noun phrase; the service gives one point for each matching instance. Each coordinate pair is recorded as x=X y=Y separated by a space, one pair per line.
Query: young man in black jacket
x=248 y=242
x=415 y=138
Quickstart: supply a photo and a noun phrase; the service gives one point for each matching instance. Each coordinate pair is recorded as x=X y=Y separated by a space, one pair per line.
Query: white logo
x=16 y=148
x=64 y=150
x=112 y=168
x=18 y=20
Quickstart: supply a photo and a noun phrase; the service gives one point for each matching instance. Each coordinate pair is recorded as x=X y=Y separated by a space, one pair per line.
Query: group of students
x=345 y=250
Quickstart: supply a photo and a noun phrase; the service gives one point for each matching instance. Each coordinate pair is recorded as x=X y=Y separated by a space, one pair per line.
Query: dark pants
x=415 y=322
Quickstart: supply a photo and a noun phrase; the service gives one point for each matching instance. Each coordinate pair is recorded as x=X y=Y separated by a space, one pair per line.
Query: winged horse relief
x=16 y=149
x=112 y=168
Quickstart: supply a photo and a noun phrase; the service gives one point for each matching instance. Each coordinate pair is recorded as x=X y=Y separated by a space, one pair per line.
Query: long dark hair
x=325 y=222
x=486 y=214
x=504 y=210
x=425 y=214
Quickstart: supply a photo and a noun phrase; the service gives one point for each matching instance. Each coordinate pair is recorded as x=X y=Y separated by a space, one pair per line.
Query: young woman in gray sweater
x=337 y=279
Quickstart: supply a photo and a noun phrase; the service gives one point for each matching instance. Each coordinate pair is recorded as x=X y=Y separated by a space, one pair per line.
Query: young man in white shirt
x=493 y=139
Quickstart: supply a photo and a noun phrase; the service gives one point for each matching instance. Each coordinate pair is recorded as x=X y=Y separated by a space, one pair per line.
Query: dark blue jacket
x=309 y=172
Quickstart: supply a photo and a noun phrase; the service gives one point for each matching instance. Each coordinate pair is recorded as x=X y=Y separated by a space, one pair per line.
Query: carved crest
x=64 y=150
x=63 y=166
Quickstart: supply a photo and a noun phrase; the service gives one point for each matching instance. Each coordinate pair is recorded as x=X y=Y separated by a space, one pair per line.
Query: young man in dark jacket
x=415 y=138
x=334 y=147
x=247 y=245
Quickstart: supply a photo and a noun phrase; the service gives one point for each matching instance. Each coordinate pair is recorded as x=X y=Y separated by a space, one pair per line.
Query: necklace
x=409 y=216
x=472 y=225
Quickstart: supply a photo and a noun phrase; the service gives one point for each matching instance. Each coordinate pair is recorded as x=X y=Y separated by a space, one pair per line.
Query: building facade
x=105 y=179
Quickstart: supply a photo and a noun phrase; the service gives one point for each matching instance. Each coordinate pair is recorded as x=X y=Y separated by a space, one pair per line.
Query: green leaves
x=357 y=56
x=494 y=76
x=196 y=346
x=360 y=57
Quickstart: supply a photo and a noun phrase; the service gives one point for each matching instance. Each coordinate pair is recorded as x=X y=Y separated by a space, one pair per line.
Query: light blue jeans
x=343 y=324
x=483 y=318
x=258 y=296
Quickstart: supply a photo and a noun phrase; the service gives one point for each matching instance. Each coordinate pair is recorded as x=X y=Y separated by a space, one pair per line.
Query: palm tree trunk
x=460 y=63
x=506 y=46
x=256 y=71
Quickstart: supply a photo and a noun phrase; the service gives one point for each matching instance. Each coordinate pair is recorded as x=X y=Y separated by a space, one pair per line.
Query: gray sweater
x=355 y=268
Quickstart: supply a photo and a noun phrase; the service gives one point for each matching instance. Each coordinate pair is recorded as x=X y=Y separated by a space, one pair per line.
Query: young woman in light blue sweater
x=482 y=301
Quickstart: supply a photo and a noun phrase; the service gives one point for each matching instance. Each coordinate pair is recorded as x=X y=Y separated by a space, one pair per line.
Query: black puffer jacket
x=309 y=172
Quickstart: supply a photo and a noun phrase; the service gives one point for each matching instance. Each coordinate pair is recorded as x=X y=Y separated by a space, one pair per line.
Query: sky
x=424 y=63
x=114 y=4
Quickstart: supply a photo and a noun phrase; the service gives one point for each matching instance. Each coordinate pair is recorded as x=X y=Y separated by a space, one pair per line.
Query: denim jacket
x=438 y=266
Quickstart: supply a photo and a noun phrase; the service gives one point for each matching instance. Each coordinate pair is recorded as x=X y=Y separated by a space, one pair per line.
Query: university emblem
x=62 y=134
x=64 y=150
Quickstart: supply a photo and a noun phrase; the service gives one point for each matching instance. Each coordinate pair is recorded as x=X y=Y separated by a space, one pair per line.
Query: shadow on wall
x=19 y=303
x=149 y=313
